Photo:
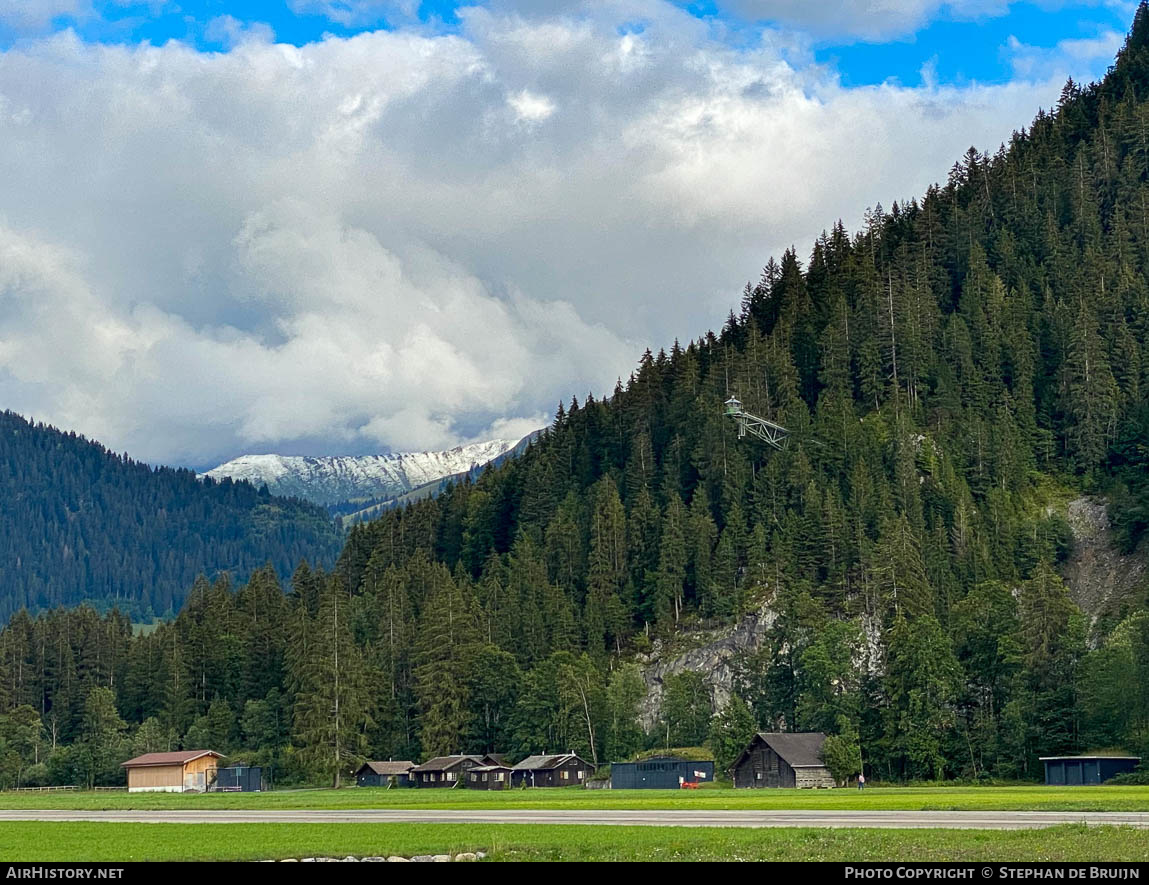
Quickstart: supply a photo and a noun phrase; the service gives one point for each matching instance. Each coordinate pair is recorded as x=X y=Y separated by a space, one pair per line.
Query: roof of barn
x=177 y=757
x=389 y=767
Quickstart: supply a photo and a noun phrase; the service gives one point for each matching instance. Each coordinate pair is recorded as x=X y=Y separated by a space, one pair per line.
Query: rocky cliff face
x=712 y=658
x=1099 y=576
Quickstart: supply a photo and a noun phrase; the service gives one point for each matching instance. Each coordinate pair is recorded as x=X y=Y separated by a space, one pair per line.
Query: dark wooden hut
x=489 y=777
x=446 y=771
x=382 y=774
x=560 y=770
x=783 y=760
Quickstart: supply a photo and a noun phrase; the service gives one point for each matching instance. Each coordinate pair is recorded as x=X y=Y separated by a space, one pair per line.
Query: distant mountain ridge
x=330 y=480
x=349 y=512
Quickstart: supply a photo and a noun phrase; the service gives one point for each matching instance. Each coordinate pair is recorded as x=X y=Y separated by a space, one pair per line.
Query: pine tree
x=444 y=655
x=333 y=707
x=671 y=576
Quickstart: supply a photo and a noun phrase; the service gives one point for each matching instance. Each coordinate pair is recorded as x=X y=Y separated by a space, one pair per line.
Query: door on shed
x=773 y=776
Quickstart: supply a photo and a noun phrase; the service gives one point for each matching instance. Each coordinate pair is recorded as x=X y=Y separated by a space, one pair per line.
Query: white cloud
x=28 y=15
x=360 y=244
x=1064 y=58
x=868 y=20
x=37 y=16
x=531 y=108
x=356 y=13
x=230 y=31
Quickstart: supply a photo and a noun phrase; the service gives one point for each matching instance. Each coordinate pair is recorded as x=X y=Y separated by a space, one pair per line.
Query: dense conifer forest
x=951 y=374
x=81 y=524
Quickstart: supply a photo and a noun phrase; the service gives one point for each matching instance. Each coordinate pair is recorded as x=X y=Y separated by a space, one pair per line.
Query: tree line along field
x=932 y=798
x=95 y=842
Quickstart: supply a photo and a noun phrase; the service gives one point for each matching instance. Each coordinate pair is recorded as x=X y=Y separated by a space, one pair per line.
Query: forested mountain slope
x=81 y=524
x=952 y=375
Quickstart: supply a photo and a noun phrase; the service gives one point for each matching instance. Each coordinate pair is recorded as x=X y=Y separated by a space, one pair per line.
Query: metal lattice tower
x=767 y=431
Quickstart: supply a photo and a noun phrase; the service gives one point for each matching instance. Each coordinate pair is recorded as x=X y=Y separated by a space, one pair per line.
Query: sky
x=358 y=226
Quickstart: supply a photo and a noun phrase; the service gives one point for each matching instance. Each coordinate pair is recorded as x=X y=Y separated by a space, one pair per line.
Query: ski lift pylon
x=770 y=433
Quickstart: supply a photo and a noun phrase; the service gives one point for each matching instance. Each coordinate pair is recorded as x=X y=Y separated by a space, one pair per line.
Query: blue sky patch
x=1028 y=40
x=959 y=52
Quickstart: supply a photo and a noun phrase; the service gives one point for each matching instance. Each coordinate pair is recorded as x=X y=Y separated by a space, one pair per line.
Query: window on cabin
x=450 y=775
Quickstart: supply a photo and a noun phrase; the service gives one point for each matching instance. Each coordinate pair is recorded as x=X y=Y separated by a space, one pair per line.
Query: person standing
x=861 y=781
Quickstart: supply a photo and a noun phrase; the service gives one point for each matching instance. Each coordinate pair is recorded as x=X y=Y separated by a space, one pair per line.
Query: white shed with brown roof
x=177 y=772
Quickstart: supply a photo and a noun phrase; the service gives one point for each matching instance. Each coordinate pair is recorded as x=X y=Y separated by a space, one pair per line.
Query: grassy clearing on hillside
x=136 y=842
x=1031 y=798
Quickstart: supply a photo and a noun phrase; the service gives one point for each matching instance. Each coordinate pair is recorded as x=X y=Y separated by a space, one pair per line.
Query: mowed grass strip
x=116 y=842
x=1025 y=798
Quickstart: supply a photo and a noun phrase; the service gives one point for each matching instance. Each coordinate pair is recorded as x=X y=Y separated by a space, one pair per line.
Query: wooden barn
x=561 y=770
x=182 y=771
x=383 y=774
x=446 y=771
x=783 y=760
x=489 y=777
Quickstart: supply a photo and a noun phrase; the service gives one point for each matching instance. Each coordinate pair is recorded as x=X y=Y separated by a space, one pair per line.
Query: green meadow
x=36 y=841
x=941 y=798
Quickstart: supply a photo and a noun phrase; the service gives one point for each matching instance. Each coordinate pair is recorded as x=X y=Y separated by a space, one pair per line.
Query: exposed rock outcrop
x=712 y=659
x=1099 y=576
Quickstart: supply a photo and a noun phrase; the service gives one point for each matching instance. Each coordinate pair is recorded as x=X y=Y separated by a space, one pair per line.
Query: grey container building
x=1073 y=771
x=659 y=773
x=239 y=779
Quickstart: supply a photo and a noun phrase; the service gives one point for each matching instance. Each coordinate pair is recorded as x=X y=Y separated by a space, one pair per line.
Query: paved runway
x=971 y=820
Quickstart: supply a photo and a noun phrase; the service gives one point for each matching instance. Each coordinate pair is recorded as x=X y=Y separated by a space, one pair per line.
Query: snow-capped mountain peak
x=332 y=479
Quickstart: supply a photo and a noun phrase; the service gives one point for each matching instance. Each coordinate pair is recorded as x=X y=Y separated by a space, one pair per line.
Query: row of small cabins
x=487 y=772
x=769 y=760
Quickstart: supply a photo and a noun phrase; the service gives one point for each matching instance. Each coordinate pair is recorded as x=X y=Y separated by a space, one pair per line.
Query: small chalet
x=562 y=770
x=783 y=760
x=489 y=777
x=190 y=771
x=446 y=771
x=384 y=774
